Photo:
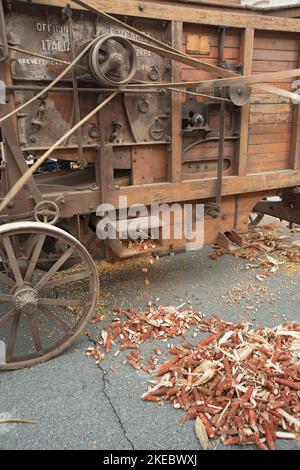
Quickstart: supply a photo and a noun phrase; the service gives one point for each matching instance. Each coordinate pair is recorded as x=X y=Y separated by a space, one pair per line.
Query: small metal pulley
x=239 y=95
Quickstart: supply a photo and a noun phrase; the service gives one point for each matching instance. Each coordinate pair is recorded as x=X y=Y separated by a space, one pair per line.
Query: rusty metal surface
x=46 y=31
x=287 y=208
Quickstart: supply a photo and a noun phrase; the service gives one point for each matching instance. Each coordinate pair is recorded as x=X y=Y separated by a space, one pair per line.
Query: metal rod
x=221 y=155
x=185 y=92
x=80 y=90
x=81 y=160
x=222 y=33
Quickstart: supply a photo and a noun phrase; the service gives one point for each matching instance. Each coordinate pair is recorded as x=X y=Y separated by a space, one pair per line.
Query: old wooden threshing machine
x=159 y=101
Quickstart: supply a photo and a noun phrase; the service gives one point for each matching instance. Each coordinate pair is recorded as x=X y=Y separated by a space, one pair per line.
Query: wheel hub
x=26 y=300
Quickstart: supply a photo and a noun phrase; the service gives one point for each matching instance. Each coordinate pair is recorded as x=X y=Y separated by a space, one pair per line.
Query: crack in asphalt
x=105 y=380
x=105 y=393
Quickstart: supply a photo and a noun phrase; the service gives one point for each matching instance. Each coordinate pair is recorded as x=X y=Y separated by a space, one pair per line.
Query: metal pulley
x=113 y=60
x=239 y=95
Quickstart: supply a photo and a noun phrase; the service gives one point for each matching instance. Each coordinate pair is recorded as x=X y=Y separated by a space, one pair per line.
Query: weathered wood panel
x=178 y=12
x=270 y=115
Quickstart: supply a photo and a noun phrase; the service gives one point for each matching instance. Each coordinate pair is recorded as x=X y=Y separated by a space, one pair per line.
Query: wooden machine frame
x=233 y=195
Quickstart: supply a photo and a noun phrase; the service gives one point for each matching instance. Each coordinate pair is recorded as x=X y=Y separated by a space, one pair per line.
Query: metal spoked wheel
x=46 y=212
x=255 y=218
x=113 y=60
x=42 y=313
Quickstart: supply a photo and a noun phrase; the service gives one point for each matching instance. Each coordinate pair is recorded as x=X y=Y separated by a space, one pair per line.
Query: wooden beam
x=205 y=188
x=246 y=58
x=292 y=12
x=78 y=201
x=189 y=13
x=175 y=158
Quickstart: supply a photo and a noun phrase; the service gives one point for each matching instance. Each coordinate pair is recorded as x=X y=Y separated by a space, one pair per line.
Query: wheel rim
x=42 y=313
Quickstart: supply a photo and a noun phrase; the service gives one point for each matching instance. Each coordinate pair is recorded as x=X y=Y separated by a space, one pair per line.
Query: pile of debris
x=141 y=244
x=262 y=246
x=240 y=384
x=131 y=332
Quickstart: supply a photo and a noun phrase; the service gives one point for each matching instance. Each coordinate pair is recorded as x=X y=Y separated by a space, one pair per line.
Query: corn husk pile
x=141 y=244
x=263 y=247
x=240 y=384
x=129 y=329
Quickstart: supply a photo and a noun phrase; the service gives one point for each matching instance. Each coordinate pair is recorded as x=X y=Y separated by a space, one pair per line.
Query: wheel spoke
x=29 y=245
x=59 y=263
x=6 y=298
x=7 y=316
x=35 y=257
x=67 y=280
x=6 y=280
x=123 y=74
x=60 y=302
x=58 y=321
x=35 y=332
x=106 y=67
x=13 y=261
x=12 y=336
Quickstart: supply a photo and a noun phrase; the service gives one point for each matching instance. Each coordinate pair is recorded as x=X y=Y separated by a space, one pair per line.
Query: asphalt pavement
x=77 y=405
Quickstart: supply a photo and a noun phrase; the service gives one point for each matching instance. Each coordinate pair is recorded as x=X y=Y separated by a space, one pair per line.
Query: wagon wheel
x=255 y=218
x=42 y=313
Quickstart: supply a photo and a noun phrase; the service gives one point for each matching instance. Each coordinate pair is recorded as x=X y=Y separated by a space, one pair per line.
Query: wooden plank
x=295 y=146
x=230 y=53
x=272 y=66
x=291 y=12
x=204 y=188
x=281 y=84
x=268 y=158
x=246 y=58
x=268 y=108
x=274 y=128
x=266 y=98
x=270 y=55
x=269 y=166
x=168 y=11
x=275 y=42
x=142 y=172
x=209 y=61
x=269 y=138
x=175 y=158
x=204 y=153
x=265 y=148
x=270 y=118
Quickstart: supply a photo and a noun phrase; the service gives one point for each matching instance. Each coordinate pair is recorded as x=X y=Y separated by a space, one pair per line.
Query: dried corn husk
x=201 y=433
